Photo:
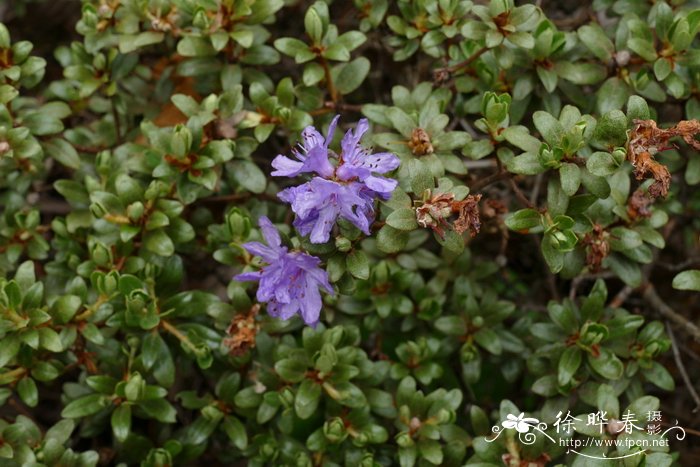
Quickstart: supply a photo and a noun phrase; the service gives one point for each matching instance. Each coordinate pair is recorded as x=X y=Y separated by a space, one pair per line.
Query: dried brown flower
x=598 y=247
x=420 y=142
x=435 y=212
x=432 y=213
x=242 y=331
x=468 y=215
x=646 y=140
x=638 y=205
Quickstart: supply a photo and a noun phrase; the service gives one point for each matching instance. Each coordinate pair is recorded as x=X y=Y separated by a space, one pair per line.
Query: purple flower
x=347 y=191
x=313 y=156
x=358 y=163
x=290 y=283
x=319 y=202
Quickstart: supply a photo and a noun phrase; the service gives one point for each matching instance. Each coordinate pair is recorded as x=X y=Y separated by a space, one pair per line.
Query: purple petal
x=258 y=249
x=311 y=138
x=351 y=140
x=326 y=219
x=381 y=162
x=384 y=186
x=286 y=167
x=331 y=130
x=321 y=277
x=317 y=161
x=248 y=276
x=288 y=310
x=311 y=305
x=270 y=233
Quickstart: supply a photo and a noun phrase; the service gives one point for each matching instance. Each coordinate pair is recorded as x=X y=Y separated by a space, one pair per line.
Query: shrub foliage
x=546 y=159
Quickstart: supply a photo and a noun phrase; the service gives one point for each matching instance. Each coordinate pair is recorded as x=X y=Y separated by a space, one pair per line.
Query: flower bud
x=201 y=20
x=238 y=224
x=343 y=244
x=367 y=460
x=101 y=255
x=181 y=141
x=445 y=416
x=468 y=352
x=268 y=450
x=303 y=460
x=135 y=210
x=404 y=440
x=287 y=397
x=334 y=430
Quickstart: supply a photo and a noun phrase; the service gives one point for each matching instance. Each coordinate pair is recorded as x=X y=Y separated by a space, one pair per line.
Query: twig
x=463 y=64
x=536 y=190
x=681 y=368
x=479 y=164
x=486 y=181
x=329 y=80
x=519 y=194
x=621 y=296
x=680 y=266
x=666 y=311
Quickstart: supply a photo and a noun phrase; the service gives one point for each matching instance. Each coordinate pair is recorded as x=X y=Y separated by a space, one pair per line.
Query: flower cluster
x=345 y=191
x=290 y=283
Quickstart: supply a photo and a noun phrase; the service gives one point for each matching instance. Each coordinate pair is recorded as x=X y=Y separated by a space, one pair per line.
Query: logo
x=529 y=428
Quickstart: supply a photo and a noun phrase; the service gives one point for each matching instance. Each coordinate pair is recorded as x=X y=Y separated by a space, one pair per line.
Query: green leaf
x=687 y=280
x=159 y=243
x=549 y=127
x=569 y=363
x=307 y=398
x=121 y=422
x=358 y=264
x=337 y=52
x=581 y=73
x=401 y=121
x=291 y=47
x=235 y=431
x=601 y=164
x=662 y=68
x=520 y=137
x=27 y=390
x=489 y=339
x=606 y=364
x=351 y=75
x=421 y=177
x=612 y=95
x=552 y=255
x=84 y=406
x=63 y=152
x=637 y=108
x=403 y=219
x=611 y=129
x=595 y=39
x=451 y=241
x=391 y=240
x=523 y=220
x=643 y=48
x=130 y=42
x=431 y=451
x=249 y=175
x=291 y=369
x=570 y=176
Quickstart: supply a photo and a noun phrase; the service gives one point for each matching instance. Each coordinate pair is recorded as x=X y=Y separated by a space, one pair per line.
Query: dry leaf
x=647 y=140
